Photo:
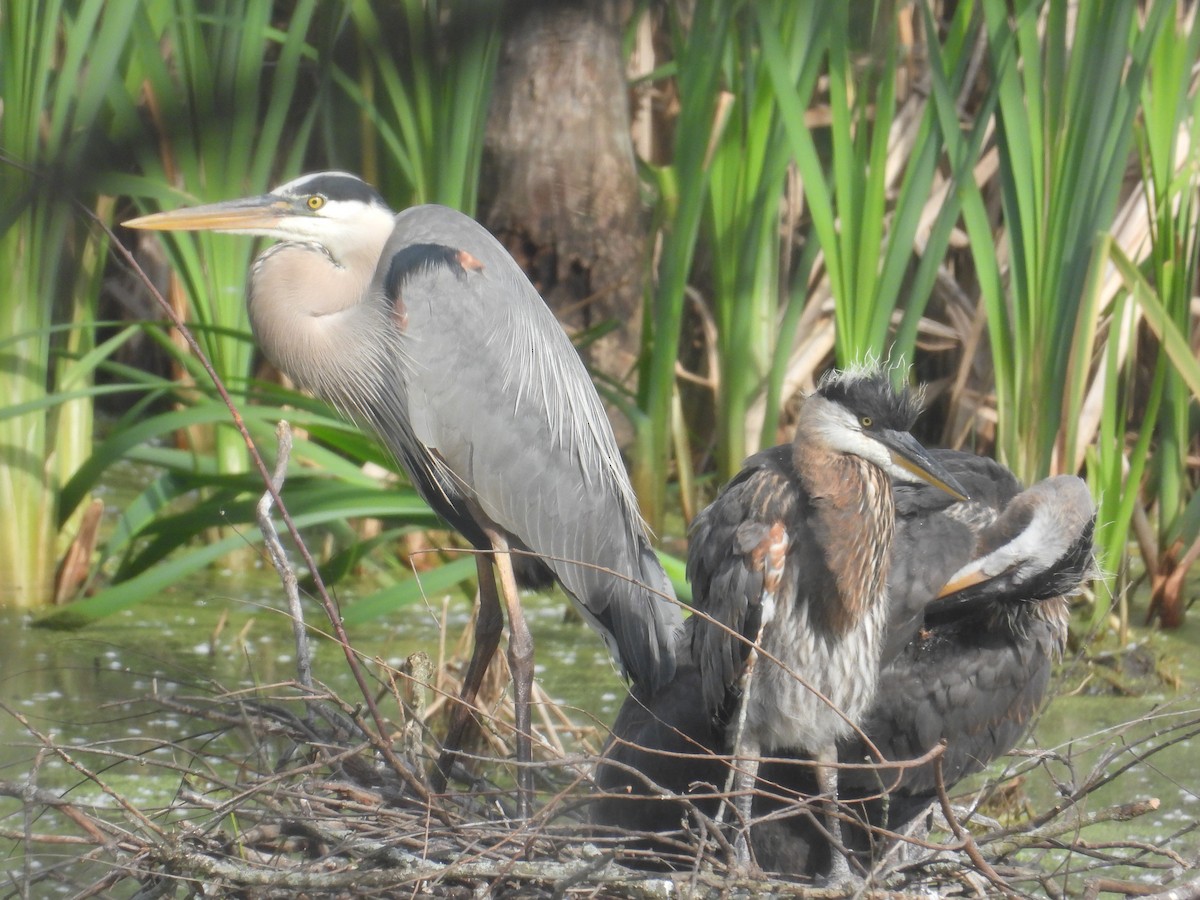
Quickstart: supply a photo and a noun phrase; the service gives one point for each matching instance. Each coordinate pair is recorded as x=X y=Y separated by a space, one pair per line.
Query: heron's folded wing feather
x=541 y=461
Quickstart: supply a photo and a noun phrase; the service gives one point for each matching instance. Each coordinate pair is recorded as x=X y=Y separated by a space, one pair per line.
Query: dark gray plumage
x=970 y=667
x=810 y=555
x=798 y=562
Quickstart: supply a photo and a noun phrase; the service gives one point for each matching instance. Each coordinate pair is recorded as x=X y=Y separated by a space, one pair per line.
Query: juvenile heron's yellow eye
x=865 y=421
x=315 y=202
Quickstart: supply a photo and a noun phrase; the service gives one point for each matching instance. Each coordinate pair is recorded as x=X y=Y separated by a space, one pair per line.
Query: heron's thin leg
x=827 y=783
x=520 y=663
x=746 y=754
x=489 y=623
x=747 y=776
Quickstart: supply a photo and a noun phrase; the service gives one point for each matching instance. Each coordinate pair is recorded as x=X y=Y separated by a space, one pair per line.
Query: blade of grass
x=698 y=80
x=56 y=60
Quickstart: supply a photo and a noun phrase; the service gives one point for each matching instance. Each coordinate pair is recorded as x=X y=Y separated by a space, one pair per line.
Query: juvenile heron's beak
x=238 y=216
x=962 y=581
x=912 y=457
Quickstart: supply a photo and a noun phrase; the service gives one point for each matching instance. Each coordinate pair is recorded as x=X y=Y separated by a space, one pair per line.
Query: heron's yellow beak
x=912 y=457
x=961 y=583
x=239 y=216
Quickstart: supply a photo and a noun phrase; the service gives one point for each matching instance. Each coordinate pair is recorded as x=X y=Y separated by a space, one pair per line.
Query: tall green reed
x=419 y=85
x=866 y=202
x=683 y=188
x=865 y=225
x=1067 y=94
x=743 y=234
x=56 y=62
x=1150 y=476
x=221 y=90
x=1169 y=132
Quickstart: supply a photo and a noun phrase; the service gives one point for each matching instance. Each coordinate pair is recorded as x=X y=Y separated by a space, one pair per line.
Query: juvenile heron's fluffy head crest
x=867 y=389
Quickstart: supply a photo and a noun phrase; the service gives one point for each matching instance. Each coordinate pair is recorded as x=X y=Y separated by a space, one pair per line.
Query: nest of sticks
x=289 y=790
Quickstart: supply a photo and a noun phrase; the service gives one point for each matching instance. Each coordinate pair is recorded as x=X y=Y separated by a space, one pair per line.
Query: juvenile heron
x=798 y=569
x=421 y=326
x=969 y=667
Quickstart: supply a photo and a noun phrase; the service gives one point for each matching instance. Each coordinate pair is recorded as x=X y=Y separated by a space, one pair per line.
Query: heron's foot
x=744 y=863
x=840 y=874
x=741 y=851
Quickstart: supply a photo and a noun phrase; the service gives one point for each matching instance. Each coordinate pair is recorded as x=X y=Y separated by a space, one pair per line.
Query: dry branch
x=311 y=807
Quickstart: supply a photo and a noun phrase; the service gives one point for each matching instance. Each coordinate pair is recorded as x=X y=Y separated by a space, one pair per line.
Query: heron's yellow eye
x=315 y=202
x=865 y=421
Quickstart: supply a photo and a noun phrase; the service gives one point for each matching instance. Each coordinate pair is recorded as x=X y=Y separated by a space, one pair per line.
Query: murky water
x=90 y=685
x=88 y=688
x=1135 y=749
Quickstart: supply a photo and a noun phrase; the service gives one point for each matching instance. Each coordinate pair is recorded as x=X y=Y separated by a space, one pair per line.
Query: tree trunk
x=559 y=183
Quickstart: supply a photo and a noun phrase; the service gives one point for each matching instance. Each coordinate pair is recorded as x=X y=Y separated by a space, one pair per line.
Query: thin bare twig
x=968 y=842
x=287 y=575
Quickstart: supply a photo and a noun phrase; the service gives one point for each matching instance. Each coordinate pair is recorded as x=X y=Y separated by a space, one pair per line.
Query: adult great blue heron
x=423 y=327
x=801 y=571
x=969 y=667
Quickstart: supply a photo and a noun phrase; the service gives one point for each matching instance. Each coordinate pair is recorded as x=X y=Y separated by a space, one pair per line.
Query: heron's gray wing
x=926 y=551
x=974 y=687
x=989 y=485
x=495 y=389
x=732 y=551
